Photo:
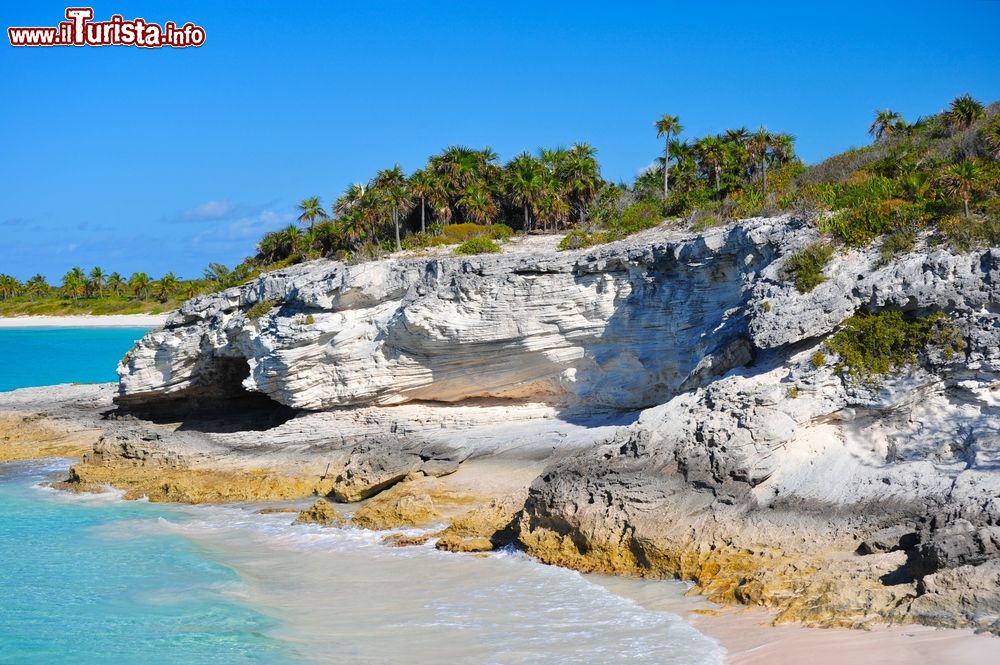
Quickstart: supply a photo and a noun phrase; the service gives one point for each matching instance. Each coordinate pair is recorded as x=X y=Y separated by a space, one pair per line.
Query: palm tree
x=393 y=189
x=711 y=153
x=757 y=146
x=962 y=180
x=525 y=183
x=477 y=204
x=310 y=210
x=668 y=126
x=964 y=111
x=116 y=284
x=349 y=200
x=139 y=283
x=74 y=283
x=37 y=287
x=9 y=287
x=885 y=123
x=425 y=185
x=95 y=281
x=166 y=286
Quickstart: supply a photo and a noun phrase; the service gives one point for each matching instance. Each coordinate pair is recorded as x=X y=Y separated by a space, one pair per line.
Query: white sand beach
x=85 y=321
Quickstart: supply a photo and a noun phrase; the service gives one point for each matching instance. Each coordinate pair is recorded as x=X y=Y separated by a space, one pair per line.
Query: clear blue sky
x=167 y=159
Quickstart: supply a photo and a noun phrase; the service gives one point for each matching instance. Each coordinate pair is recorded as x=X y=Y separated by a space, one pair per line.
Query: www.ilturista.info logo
x=80 y=30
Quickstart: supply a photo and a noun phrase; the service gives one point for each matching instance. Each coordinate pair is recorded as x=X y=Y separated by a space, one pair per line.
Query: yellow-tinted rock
x=186 y=485
x=480 y=529
x=323 y=513
x=26 y=437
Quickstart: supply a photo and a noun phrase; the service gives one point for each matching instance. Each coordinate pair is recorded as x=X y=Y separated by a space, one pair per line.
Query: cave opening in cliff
x=217 y=403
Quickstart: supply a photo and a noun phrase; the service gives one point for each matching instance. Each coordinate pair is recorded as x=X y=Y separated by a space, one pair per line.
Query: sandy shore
x=749 y=637
x=85 y=321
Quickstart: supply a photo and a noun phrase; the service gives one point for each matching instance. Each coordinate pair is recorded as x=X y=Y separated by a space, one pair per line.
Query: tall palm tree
x=116 y=284
x=963 y=111
x=885 y=123
x=525 y=183
x=962 y=180
x=166 y=286
x=310 y=210
x=711 y=153
x=95 y=281
x=667 y=126
x=425 y=185
x=393 y=189
x=758 y=146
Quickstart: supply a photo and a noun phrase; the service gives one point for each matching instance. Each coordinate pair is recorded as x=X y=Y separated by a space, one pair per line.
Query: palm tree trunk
x=965 y=200
x=395 y=222
x=763 y=170
x=666 y=167
x=526 y=222
x=717 y=169
x=423 y=226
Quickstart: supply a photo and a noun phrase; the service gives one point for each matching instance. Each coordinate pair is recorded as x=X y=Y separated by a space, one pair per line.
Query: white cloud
x=210 y=211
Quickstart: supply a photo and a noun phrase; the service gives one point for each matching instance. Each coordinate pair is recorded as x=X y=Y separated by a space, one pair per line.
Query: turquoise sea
x=44 y=356
x=94 y=579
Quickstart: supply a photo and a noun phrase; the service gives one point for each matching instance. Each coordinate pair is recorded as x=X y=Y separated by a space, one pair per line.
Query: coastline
x=747 y=634
x=85 y=321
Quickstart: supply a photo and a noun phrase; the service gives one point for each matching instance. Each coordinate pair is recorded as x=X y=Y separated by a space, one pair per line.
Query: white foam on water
x=341 y=595
x=346 y=597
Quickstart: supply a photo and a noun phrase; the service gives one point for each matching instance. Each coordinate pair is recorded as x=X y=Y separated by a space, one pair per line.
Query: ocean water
x=96 y=579
x=45 y=356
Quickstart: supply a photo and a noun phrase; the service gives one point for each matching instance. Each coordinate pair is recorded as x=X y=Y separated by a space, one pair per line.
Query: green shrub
x=792 y=392
x=478 y=245
x=805 y=267
x=260 y=309
x=458 y=233
x=309 y=320
x=578 y=239
x=501 y=232
x=639 y=216
x=423 y=241
x=871 y=346
x=818 y=359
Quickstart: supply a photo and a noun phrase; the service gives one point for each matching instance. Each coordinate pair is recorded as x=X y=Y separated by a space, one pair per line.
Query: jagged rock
x=322 y=513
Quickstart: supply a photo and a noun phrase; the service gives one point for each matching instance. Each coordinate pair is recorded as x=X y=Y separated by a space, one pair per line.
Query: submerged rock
x=322 y=513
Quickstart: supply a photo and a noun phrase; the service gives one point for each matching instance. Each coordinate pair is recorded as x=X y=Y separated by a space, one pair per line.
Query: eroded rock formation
x=759 y=473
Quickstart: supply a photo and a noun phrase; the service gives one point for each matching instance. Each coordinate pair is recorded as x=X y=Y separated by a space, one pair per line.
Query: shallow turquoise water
x=92 y=579
x=77 y=589
x=46 y=356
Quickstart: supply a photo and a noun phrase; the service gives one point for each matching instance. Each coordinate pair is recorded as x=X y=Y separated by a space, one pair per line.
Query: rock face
x=764 y=476
x=624 y=326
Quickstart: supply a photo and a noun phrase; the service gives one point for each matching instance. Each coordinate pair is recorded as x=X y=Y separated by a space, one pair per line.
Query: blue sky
x=165 y=159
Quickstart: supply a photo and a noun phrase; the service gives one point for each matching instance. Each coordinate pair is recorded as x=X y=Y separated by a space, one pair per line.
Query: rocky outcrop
x=668 y=385
x=624 y=326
